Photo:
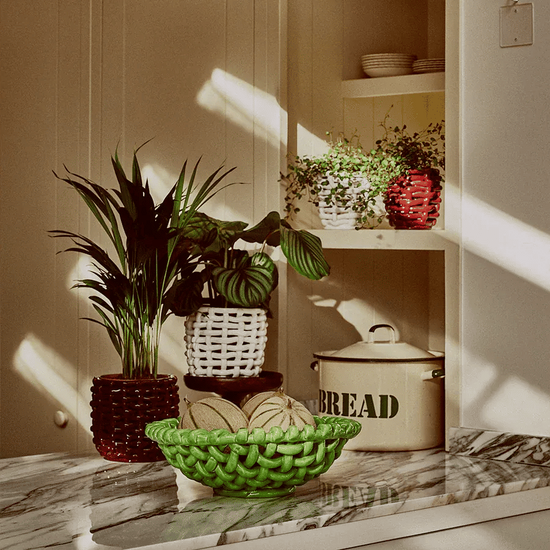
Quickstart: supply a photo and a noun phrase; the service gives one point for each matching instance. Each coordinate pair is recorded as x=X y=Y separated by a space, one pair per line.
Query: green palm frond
x=132 y=290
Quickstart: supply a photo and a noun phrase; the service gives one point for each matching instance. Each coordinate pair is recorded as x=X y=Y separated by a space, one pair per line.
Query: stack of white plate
x=435 y=65
x=387 y=64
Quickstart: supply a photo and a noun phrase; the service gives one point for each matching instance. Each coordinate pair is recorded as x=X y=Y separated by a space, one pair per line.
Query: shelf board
x=394 y=85
x=386 y=239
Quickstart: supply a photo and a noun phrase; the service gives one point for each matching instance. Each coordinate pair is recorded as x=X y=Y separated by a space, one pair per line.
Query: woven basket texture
x=243 y=462
x=226 y=341
x=121 y=408
x=333 y=214
x=413 y=201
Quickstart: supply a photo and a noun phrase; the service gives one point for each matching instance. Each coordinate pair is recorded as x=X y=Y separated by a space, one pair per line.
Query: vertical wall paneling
x=66 y=131
x=372 y=26
x=31 y=357
x=264 y=130
x=359 y=120
x=299 y=102
x=84 y=79
x=326 y=67
x=239 y=70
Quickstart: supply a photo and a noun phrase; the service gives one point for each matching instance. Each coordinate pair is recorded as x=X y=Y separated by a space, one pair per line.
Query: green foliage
x=133 y=284
x=394 y=155
x=399 y=151
x=233 y=277
x=348 y=164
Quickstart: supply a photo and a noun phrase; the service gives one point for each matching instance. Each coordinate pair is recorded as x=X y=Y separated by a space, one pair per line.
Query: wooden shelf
x=394 y=85
x=386 y=239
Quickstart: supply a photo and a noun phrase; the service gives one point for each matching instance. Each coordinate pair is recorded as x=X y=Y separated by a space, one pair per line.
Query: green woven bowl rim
x=253 y=464
x=166 y=432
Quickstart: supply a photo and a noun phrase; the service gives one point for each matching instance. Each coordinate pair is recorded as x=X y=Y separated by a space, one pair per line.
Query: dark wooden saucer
x=235 y=389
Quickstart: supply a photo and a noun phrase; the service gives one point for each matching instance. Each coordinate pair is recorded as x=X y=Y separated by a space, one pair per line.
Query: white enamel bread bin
x=395 y=390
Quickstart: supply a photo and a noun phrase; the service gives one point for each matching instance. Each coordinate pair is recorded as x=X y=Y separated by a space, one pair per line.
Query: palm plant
x=234 y=277
x=131 y=285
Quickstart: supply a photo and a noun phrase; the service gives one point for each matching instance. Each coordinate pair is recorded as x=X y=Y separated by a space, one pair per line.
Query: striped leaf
x=304 y=252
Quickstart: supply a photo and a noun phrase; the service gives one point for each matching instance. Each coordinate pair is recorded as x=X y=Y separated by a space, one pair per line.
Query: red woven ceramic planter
x=121 y=408
x=413 y=201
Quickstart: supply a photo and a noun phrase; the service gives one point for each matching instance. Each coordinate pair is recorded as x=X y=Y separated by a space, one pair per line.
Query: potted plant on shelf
x=338 y=183
x=226 y=301
x=408 y=167
x=130 y=288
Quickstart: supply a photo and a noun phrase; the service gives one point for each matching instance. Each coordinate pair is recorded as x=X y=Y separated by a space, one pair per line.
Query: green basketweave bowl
x=256 y=464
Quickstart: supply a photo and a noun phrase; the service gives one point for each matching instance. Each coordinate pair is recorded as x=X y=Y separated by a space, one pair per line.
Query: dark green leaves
x=185 y=295
x=267 y=231
x=134 y=289
x=304 y=252
x=249 y=284
x=247 y=280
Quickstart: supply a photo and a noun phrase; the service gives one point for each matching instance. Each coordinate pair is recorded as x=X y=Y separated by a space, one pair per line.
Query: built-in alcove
x=388 y=26
x=406 y=278
x=404 y=288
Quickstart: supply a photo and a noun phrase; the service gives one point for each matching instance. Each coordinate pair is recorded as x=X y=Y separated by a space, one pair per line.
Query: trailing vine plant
x=398 y=151
x=348 y=164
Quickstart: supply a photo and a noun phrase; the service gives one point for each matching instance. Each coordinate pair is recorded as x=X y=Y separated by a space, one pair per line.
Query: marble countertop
x=85 y=502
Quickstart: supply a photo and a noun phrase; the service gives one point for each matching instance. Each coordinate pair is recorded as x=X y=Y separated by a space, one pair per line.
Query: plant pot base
x=226 y=342
x=413 y=201
x=235 y=389
x=121 y=408
x=340 y=212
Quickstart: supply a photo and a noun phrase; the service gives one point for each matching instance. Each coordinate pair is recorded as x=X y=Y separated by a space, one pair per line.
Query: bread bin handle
x=374 y=328
x=431 y=374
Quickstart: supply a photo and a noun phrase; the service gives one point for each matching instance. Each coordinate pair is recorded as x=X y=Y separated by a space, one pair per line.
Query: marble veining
x=493 y=445
x=85 y=502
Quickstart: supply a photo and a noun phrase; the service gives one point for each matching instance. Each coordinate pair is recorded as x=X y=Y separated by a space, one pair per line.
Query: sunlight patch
x=247 y=106
x=47 y=371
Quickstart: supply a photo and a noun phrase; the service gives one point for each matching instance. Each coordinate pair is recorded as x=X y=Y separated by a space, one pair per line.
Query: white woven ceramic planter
x=226 y=341
x=336 y=216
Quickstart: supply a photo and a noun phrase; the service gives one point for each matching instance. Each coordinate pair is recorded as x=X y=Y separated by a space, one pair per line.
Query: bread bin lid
x=371 y=350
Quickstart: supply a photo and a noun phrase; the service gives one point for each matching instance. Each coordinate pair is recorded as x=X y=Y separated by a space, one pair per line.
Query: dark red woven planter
x=121 y=408
x=413 y=201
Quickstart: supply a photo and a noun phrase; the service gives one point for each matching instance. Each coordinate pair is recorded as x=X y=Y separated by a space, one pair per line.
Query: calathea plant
x=232 y=276
x=132 y=284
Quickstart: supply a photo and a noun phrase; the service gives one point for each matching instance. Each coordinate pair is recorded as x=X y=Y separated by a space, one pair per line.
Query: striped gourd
x=212 y=413
x=251 y=404
x=282 y=411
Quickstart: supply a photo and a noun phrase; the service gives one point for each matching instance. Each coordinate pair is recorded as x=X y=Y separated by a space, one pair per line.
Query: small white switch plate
x=516 y=25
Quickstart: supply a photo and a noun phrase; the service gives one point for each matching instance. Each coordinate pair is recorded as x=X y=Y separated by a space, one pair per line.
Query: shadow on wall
x=507 y=245
x=503 y=253
x=50 y=373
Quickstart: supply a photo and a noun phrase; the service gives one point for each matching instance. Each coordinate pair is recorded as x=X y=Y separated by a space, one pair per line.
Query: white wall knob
x=60 y=419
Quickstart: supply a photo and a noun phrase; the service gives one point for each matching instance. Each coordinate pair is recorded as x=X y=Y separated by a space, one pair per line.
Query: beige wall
x=76 y=80
x=505 y=224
